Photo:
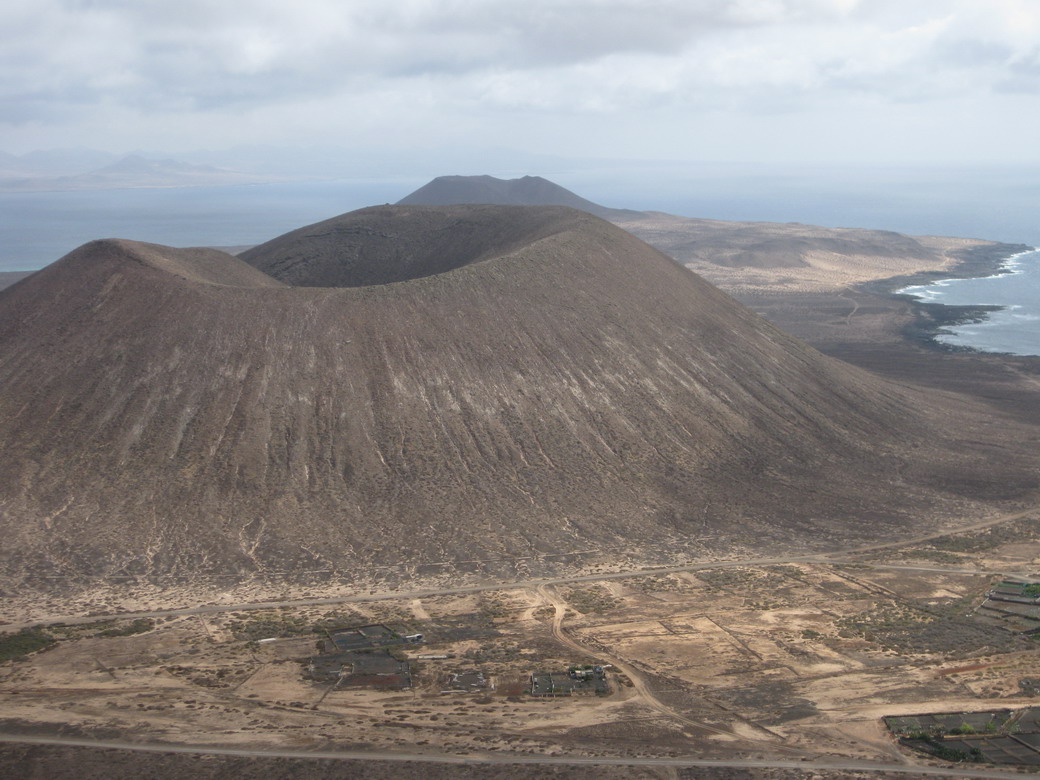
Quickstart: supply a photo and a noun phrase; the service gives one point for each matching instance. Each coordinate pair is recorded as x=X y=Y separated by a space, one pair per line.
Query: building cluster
x=369 y=656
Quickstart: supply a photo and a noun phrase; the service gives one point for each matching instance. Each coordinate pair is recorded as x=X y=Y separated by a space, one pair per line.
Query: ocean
x=999 y=204
x=1015 y=328
x=38 y=228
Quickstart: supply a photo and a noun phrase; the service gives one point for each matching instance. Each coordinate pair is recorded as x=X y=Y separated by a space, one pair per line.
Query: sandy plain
x=776 y=258
x=794 y=662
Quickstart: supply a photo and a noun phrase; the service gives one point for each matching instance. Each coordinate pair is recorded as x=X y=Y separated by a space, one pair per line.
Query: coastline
x=930 y=318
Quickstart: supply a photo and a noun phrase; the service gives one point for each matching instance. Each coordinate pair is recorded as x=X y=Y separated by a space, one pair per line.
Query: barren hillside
x=525 y=191
x=747 y=259
x=743 y=258
x=541 y=384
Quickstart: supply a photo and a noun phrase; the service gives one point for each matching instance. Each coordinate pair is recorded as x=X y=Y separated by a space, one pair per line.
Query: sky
x=785 y=81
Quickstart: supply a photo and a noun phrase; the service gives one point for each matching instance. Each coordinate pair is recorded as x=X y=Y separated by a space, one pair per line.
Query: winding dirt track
x=829 y=557
x=547 y=592
x=639 y=682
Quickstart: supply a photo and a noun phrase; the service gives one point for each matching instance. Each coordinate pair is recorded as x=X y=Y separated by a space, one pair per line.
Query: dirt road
x=835 y=556
x=827 y=765
x=822 y=557
x=639 y=682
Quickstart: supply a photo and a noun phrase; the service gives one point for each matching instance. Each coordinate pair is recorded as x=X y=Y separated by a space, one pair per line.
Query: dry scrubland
x=785 y=661
x=749 y=258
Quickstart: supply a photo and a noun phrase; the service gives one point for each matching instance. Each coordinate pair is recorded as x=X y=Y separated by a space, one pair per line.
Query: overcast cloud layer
x=785 y=80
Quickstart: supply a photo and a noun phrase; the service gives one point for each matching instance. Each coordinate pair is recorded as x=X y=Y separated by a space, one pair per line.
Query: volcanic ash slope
x=525 y=191
x=439 y=384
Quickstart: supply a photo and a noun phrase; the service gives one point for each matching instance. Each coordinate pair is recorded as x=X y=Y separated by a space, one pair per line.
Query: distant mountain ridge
x=525 y=191
x=689 y=240
x=135 y=164
x=131 y=171
x=53 y=162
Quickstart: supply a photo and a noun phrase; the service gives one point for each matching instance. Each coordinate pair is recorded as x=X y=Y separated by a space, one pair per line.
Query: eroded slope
x=172 y=414
x=525 y=191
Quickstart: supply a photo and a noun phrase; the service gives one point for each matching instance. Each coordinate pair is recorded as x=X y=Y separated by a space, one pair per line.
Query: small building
x=370 y=636
x=371 y=668
x=467 y=682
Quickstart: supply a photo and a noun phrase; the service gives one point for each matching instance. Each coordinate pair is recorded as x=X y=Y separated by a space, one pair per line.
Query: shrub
x=138 y=626
x=26 y=641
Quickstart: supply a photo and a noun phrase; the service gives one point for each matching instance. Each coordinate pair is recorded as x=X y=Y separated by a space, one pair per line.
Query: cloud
x=347 y=64
x=149 y=52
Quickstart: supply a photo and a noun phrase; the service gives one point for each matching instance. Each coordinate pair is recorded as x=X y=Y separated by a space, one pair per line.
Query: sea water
x=1013 y=329
x=999 y=204
x=993 y=203
x=37 y=228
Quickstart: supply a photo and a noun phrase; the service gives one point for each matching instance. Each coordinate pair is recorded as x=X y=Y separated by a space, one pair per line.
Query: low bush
x=138 y=626
x=21 y=644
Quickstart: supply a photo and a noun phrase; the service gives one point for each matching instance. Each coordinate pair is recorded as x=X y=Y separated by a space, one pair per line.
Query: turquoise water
x=1014 y=329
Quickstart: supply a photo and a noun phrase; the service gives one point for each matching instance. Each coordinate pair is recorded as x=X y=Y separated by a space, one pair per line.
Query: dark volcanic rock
x=542 y=384
x=7 y=278
x=380 y=245
x=526 y=191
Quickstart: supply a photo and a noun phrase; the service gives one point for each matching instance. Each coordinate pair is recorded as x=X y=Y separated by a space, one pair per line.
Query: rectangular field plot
x=1033 y=740
x=994 y=736
x=695 y=649
x=996 y=750
x=950 y=722
x=1029 y=721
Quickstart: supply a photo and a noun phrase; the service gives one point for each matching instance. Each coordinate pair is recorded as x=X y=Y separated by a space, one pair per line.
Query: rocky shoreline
x=931 y=318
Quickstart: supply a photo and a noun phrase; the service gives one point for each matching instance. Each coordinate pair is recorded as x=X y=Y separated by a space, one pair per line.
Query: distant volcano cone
x=525 y=191
x=439 y=385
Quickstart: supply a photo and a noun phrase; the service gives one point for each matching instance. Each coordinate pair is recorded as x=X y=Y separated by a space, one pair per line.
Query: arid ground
x=840 y=302
x=729 y=665
x=782 y=662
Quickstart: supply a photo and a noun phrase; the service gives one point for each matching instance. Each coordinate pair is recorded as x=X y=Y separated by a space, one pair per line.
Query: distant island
x=132 y=172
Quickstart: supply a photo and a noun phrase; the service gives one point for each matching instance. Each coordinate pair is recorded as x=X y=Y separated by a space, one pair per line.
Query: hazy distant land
x=131 y=172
